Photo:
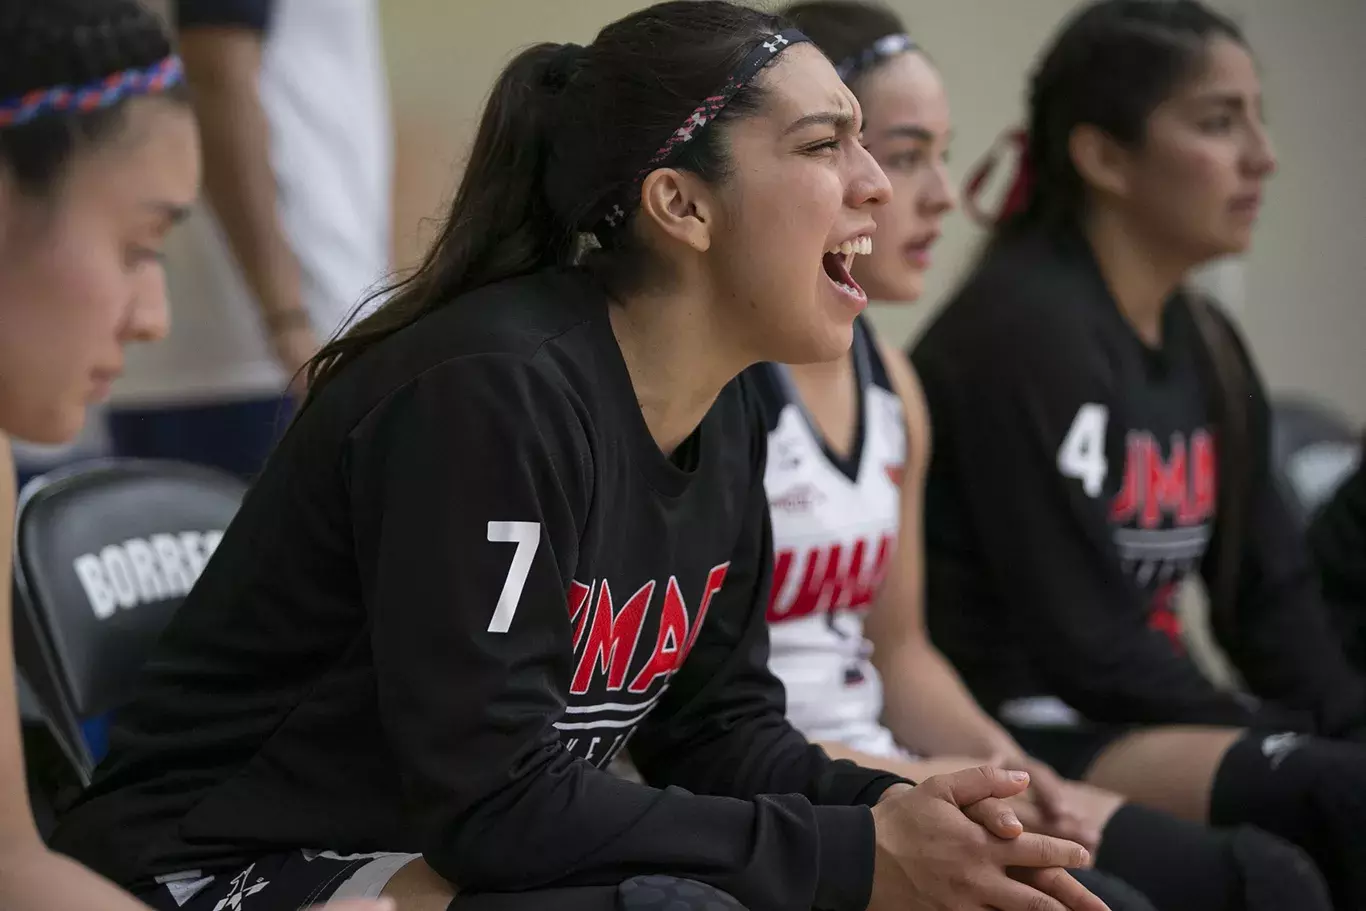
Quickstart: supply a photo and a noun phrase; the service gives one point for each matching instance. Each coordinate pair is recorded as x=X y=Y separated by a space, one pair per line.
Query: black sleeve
x=247 y=14
x=1023 y=406
x=473 y=657
x=1280 y=638
x=721 y=728
x=1337 y=540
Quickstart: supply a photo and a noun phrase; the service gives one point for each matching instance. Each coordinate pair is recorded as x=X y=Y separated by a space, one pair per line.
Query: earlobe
x=1099 y=160
x=677 y=204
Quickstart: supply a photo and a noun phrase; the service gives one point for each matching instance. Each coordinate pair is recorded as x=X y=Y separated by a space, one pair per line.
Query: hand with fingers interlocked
x=952 y=843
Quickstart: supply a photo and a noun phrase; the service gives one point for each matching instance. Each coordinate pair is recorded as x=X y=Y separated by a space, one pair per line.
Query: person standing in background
x=291 y=98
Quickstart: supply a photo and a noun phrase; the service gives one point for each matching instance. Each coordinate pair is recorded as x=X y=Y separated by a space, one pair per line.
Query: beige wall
x=1306 y=278
x=1299 y=293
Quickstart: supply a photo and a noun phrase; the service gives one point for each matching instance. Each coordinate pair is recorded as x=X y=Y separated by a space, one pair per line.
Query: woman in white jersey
x=849 y=442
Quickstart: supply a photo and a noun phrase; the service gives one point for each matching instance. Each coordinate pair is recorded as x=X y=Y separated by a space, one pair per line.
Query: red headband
x=1021 y=184
x=617 y=212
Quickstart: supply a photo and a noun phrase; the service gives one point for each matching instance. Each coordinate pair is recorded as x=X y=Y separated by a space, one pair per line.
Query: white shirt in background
x=325 y=93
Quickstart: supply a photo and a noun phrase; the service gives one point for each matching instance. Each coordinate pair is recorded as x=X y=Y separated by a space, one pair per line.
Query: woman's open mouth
x=839 y=263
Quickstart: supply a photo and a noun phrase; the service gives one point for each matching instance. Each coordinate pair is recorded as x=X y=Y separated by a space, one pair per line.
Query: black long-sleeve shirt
x=465 y=579
x=1073 y=485
x=1337 y=538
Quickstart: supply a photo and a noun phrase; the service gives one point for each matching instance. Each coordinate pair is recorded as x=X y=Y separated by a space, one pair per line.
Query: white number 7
x=527 y=536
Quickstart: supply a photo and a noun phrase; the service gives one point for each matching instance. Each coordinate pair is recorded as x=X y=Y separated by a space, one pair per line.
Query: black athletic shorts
x=1057 y=735
x=300 y=879
x=1070 y=751
x=280 y=882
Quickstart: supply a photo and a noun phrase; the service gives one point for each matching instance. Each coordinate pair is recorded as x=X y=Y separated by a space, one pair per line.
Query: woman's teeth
x=862 y=244
x=851 y=248
x=850 y=290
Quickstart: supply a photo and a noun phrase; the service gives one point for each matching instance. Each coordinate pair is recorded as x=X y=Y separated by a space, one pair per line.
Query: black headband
x=764 y=53
x=853 y=66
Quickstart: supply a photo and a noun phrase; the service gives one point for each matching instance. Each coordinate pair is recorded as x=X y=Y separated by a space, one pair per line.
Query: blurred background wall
x=1300 y=294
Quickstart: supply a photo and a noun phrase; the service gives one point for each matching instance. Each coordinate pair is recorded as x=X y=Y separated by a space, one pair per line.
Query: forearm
x=748 y=757
x=1024 y=805
x=930 y=711
x=911 y=769
x=239 y=184
x=561 y=822
x=32 y=877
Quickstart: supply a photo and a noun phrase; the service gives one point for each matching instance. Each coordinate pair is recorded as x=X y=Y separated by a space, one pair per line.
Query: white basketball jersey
x=834 y=532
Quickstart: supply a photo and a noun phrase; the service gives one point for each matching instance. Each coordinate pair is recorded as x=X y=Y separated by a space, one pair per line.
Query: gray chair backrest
x=104 y=554
x=1313 y=450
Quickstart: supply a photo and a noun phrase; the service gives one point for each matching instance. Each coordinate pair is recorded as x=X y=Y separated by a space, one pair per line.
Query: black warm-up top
x=1073 y=485
x=465 y=580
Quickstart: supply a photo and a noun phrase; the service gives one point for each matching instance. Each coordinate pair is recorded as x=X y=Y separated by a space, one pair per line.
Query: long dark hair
x=563 y=134
x=53 y=43
x=1109 y=66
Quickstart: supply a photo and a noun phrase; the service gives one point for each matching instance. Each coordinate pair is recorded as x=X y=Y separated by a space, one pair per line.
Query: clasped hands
x=953 y=843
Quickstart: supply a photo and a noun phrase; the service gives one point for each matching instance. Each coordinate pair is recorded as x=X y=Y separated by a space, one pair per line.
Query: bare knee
x=417 y=887
x=1169 y=769
x=1095 y=805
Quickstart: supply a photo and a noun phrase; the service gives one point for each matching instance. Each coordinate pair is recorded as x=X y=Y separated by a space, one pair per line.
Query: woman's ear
x=681 y=206
x=1101 y=162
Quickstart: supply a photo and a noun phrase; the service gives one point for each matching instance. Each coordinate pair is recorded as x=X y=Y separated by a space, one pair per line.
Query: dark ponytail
x=500 y=224
x=48 y=44
x=563 y=133
x=1109 y=66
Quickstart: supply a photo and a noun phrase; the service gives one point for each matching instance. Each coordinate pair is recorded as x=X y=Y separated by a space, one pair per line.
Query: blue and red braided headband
x=110 y=90
x=764 y=53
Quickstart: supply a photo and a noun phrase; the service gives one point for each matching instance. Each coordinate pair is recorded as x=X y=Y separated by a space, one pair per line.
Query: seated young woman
x=99 y=158
x=1101 y=435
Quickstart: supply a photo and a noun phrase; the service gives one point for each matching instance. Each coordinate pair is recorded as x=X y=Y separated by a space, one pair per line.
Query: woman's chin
x=832 y=343
x=54 y=426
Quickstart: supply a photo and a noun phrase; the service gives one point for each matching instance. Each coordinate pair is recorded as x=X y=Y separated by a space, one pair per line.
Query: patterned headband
x=99 y=94
x=887 y=46
x=754 y=63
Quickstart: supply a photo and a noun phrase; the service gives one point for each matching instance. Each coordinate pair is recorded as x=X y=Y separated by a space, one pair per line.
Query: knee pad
x=1306 y=790
x=1276 y=874
x=639 y=893
x=670 y=893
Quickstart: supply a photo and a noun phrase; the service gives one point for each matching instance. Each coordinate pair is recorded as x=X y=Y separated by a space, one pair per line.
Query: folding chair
x=105 y=552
